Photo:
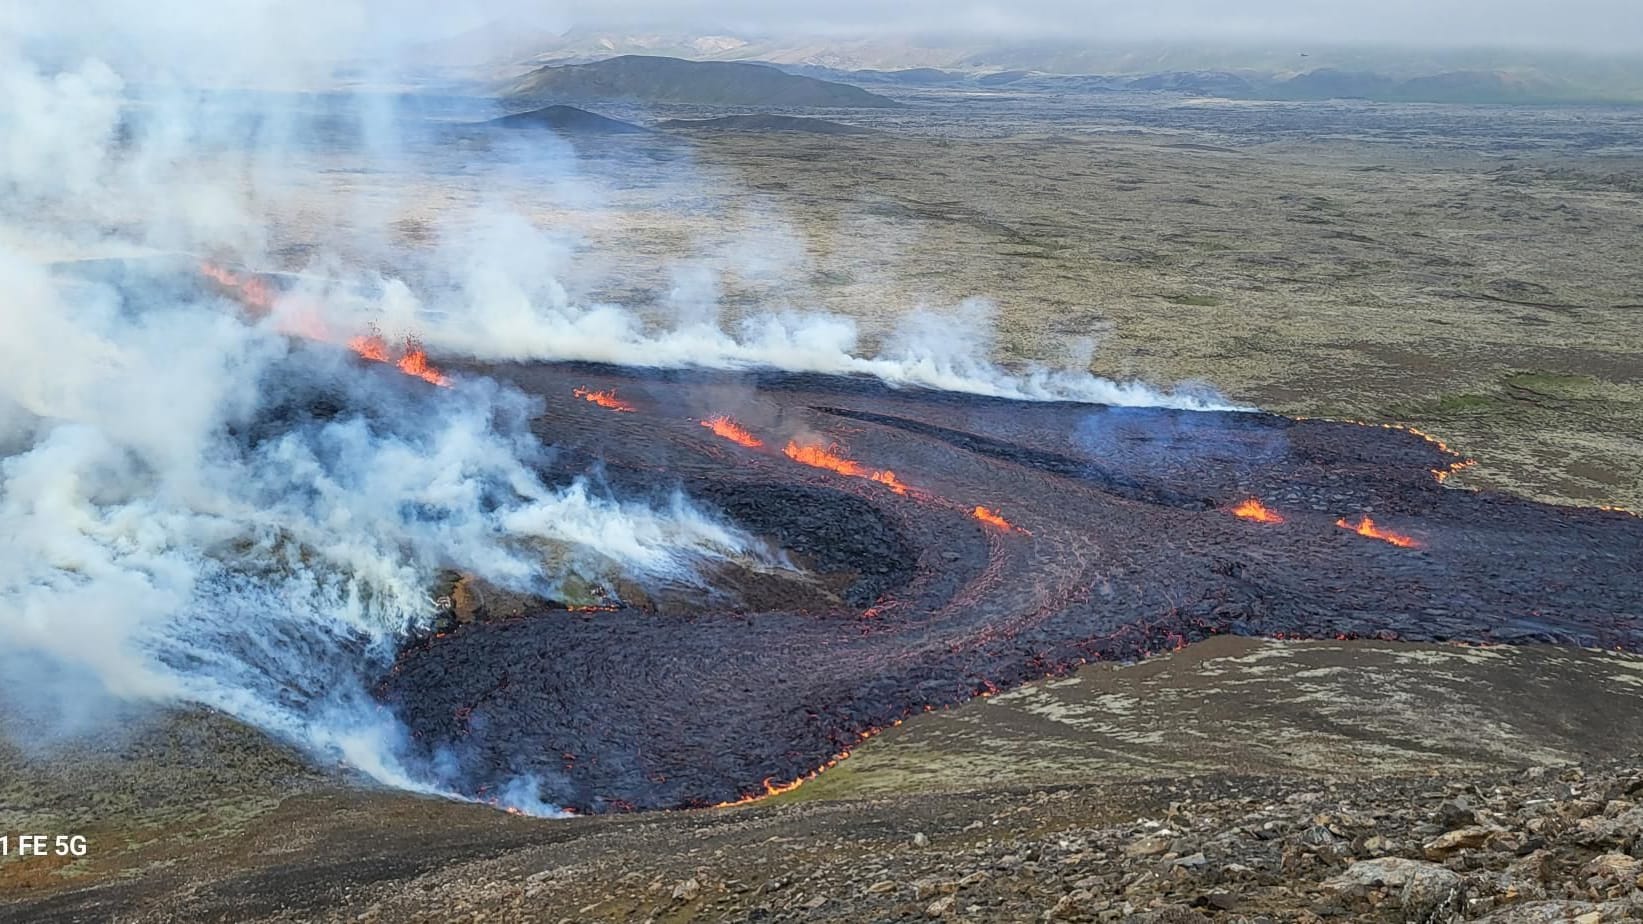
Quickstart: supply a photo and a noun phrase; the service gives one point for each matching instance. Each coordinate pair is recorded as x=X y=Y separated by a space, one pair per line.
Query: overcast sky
x=1606 y=24
x=283 y=27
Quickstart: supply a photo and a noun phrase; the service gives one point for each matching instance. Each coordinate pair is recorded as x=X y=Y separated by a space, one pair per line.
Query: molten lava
x=731 y=430
x=1253 y=509
x=1367 y=527
x=605 y=399
x=252 y=291
x=889 y=480
x=987 y=516
x=307 y=323
x=817 y=457
x=413 y=360
x=371 y=347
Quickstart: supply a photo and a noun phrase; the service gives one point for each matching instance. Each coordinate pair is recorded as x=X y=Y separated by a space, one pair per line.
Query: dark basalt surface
x=1126 y=546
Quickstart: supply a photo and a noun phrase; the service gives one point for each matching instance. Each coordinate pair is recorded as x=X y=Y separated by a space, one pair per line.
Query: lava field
x=946 y=546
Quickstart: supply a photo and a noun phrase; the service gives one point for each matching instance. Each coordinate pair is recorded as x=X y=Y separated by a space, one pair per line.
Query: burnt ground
x=1123 y=543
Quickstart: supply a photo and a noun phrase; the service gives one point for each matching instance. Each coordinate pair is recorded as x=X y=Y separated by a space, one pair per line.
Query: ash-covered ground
x=1121 y=532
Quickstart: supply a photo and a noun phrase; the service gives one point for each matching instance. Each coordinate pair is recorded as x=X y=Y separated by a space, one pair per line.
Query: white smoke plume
x=199 y=510
x=196 y=509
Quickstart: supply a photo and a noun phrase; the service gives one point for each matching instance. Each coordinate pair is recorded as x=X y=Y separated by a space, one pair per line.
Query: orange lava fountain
x=1367 y=527
x=605 y=399
x=413 y=360
x=731 y=430
x=1253 y=509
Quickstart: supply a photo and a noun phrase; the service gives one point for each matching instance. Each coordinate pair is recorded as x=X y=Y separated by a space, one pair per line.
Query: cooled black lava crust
x=1127 y=545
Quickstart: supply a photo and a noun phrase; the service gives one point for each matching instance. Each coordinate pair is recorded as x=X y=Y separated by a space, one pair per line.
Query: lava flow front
x=742 y=679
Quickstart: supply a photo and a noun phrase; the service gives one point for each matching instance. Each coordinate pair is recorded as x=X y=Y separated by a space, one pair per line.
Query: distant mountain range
x=1319 y=84
x=516 y=53
x=569 y=120
x=766 y=123
x=652 y=79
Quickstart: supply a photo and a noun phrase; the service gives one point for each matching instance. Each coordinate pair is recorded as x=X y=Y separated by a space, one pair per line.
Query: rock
x=1068 y=904
x=1455 y=813
x=1560 y=913
x=1377 y=846
x=920 y=840
x=1613 y=875
x=1525 y=879
x=1193 y=861
x=1174 y=914
x=1620 y=831
x=1317 y=836
x=686 y=890
x=929 y=886
x=1149 y=846
x=1469 y=838
x=1220 y=901
x=1422 y=887
x=939 y=907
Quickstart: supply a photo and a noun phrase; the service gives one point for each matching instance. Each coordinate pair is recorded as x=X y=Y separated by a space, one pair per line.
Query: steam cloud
x=194 y=509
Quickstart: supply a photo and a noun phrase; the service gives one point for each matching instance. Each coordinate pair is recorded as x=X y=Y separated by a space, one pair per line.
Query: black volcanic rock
x=1124 y=537
x=568 y=119
x=648 y=79
x=767 y=123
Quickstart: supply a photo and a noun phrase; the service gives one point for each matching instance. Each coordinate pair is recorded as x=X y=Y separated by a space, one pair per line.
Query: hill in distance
x=650 y=79
x=767 y=123
x=568 y=120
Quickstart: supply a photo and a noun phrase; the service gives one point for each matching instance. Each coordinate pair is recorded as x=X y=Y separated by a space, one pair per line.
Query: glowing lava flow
x=817 y=457
x=605 y=399
x=1367 y=527
x=731 y=430
x=993 y=519
x=413 y=360
x=776 y=789
x=254 y=293
x=1444 y=473
x=1253 y=509
x=251 y=290
x=889 y=480
x=373 y=348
